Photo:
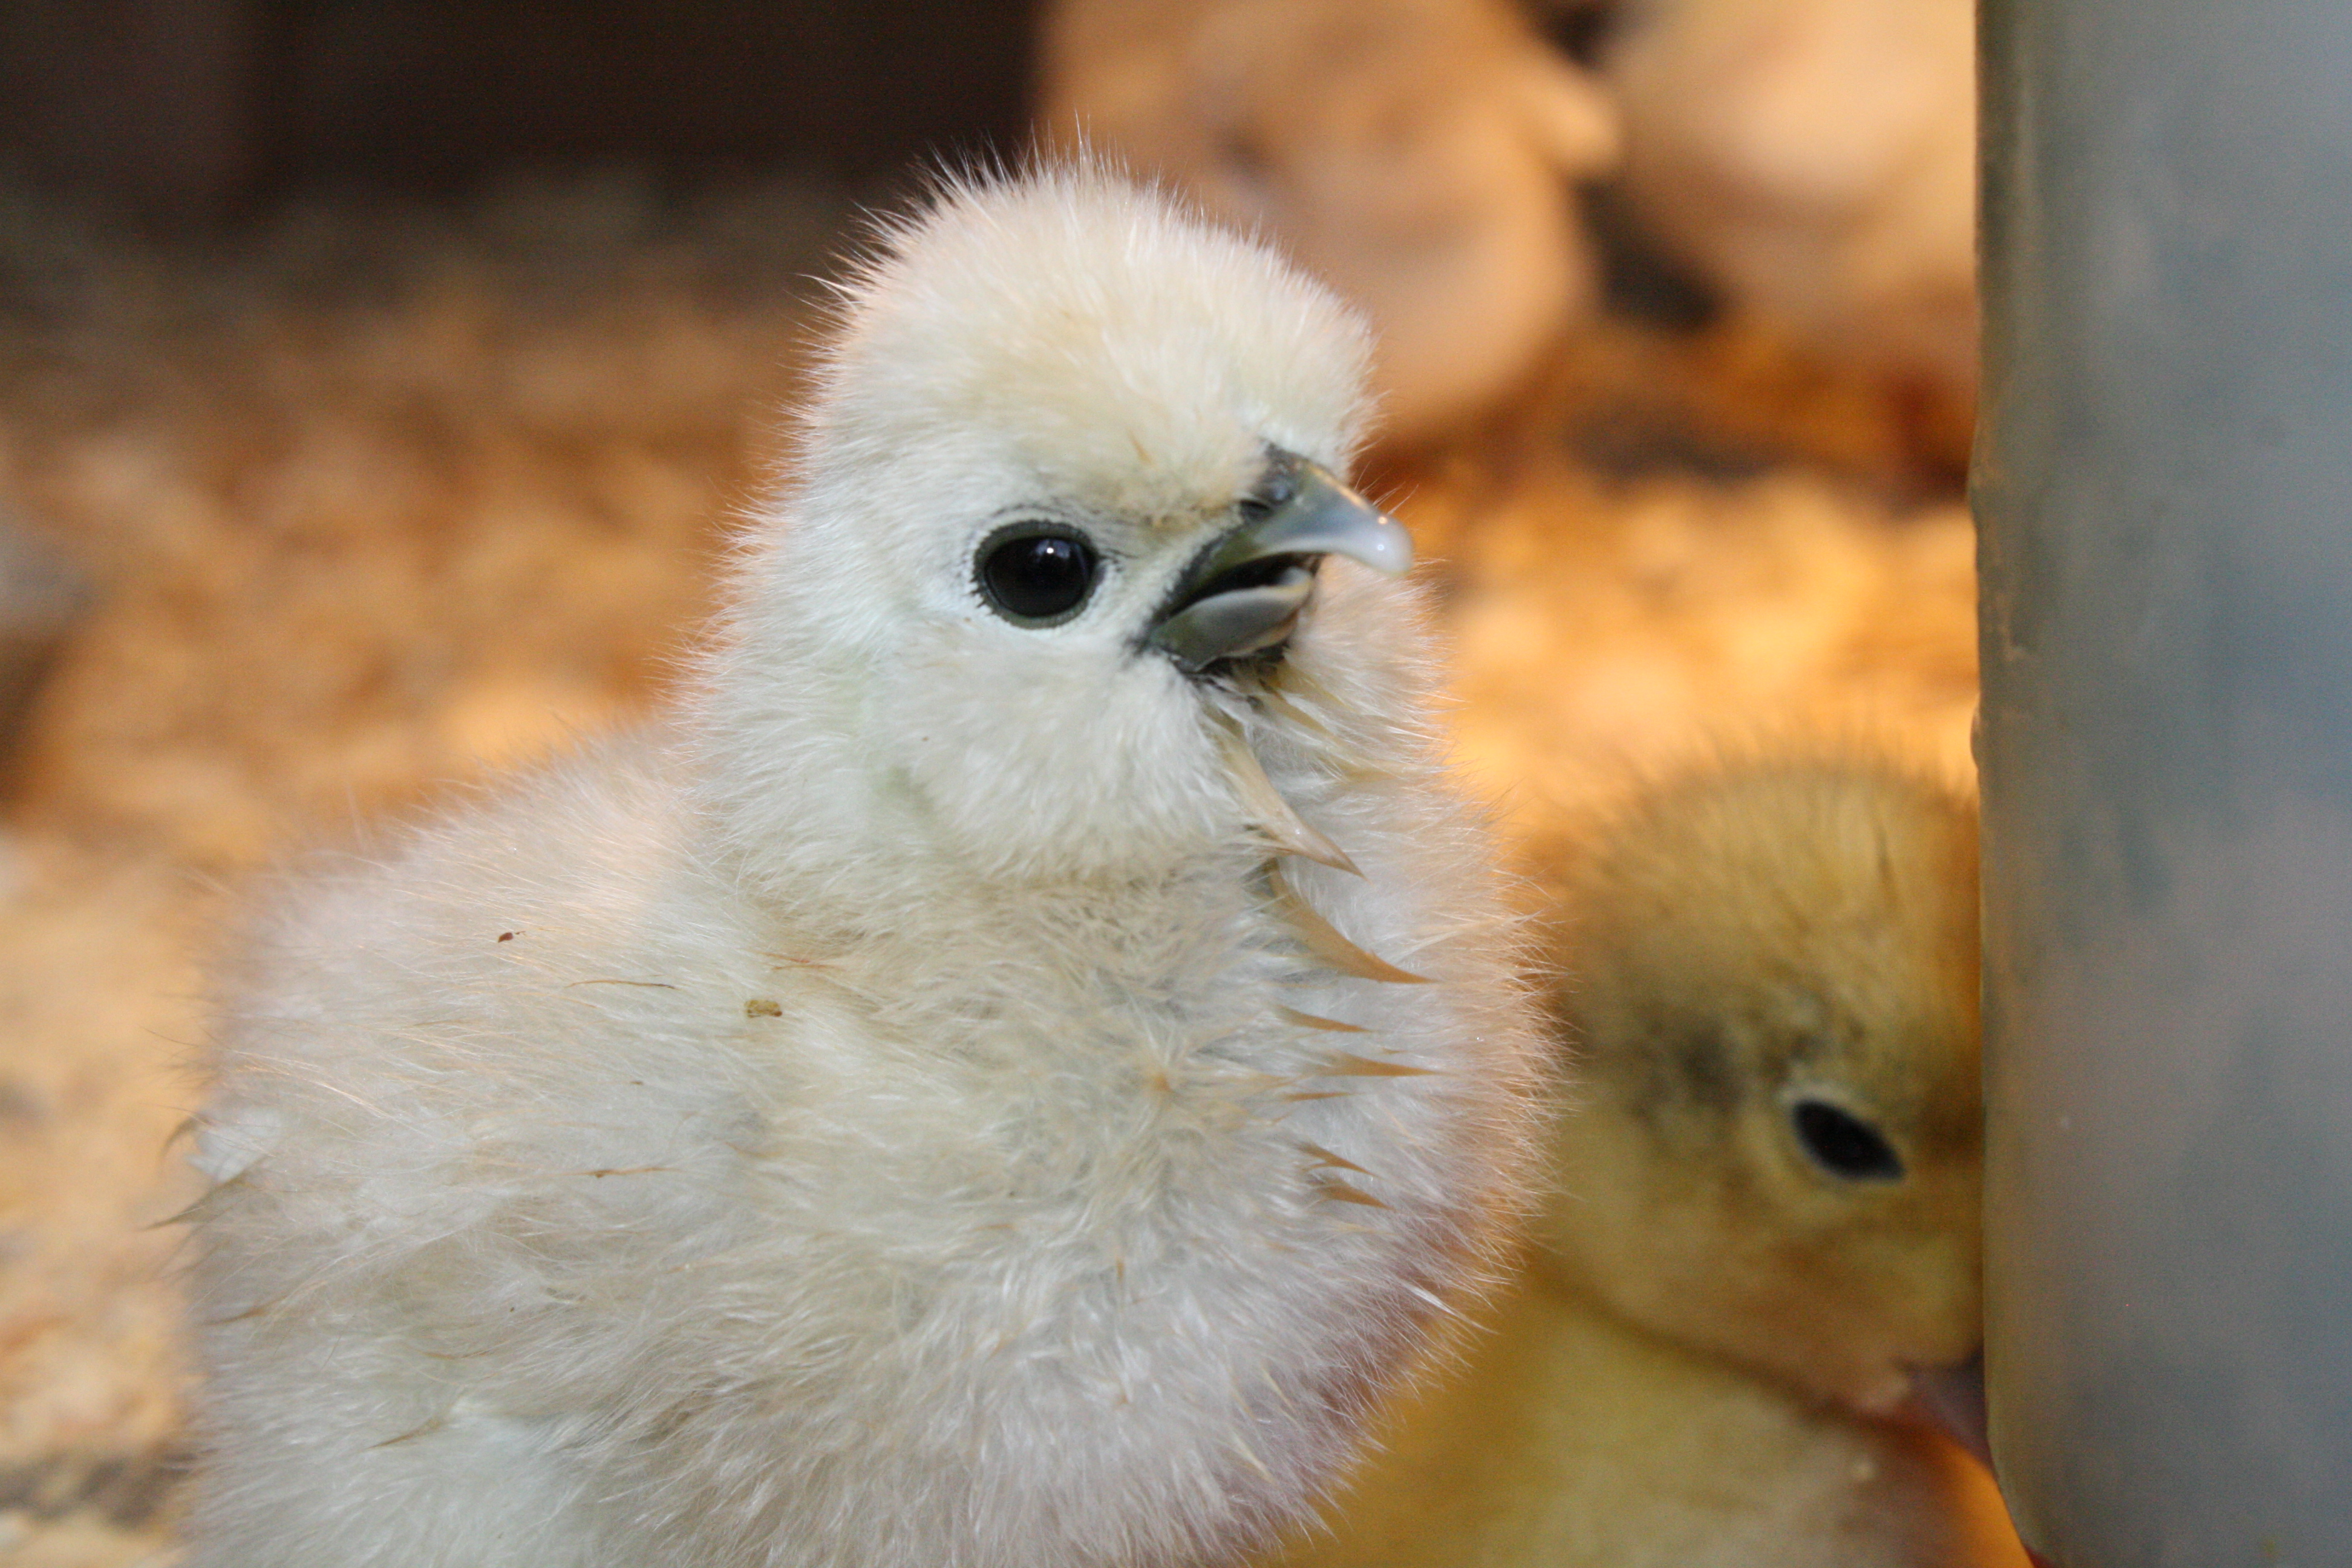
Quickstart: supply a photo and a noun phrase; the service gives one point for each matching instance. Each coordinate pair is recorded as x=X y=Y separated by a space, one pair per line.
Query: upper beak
x=1242 y=593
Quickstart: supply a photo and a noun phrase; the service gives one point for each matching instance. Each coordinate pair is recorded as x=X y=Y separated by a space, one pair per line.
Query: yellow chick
x=1764 y=1211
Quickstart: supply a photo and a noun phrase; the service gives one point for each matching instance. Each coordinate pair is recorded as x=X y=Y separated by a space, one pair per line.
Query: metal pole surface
x=2164 y=491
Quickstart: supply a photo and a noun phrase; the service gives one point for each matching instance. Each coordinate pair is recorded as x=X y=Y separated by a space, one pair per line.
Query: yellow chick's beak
x=1952 y=1398
x=1242 y=593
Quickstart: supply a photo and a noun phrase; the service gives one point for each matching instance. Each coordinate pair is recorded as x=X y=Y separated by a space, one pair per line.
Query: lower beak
x=1243 y=592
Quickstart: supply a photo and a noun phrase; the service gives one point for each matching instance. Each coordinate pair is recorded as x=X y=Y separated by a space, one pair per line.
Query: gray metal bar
x=2164 y=487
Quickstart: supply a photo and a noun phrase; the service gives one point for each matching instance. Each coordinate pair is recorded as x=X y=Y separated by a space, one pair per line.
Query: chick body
x=890 y=1114
x=1689 y=1371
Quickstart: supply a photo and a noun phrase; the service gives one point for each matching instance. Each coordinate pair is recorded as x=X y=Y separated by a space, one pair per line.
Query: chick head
x=1771 y=976
x=1069 y=481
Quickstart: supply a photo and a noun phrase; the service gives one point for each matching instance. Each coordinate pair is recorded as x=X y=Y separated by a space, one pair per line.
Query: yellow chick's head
x=1071 y=470
x=1771 y=976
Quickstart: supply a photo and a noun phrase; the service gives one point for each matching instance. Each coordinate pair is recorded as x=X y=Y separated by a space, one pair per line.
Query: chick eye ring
x=1036 y=573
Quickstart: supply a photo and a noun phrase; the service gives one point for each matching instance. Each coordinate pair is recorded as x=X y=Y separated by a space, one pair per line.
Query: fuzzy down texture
x=888 y=1113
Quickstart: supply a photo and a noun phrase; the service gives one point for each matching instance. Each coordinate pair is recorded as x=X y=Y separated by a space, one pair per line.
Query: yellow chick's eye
x=1036 y=573
x=1842 y=1143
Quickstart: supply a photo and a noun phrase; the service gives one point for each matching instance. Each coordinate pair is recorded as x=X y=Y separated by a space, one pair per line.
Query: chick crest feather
x=888 y=1113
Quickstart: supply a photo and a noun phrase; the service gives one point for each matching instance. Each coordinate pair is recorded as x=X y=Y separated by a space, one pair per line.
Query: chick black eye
x=1843 y=1144
x=1037 y=573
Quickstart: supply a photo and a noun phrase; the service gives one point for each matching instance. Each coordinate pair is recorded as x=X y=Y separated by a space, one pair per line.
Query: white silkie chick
x=918 y=1106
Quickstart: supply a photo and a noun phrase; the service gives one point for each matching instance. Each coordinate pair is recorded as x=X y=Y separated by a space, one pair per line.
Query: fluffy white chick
x=918 y=1106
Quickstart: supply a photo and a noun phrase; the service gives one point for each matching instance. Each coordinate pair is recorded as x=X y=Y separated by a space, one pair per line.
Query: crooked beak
x=1242 y=593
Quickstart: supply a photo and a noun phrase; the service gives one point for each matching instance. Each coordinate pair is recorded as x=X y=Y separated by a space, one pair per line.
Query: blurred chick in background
x=1809 y=163
x=1815 y=162
x=1764 y=1217
x=1420 y=155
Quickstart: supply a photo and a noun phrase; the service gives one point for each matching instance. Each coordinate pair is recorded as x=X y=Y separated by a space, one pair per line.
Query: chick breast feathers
x=934 y=1100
